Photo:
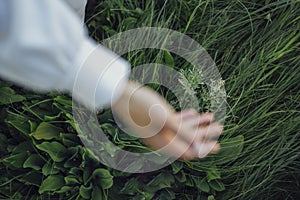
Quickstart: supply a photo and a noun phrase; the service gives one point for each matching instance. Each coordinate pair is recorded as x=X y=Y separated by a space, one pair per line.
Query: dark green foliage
x=255 y=45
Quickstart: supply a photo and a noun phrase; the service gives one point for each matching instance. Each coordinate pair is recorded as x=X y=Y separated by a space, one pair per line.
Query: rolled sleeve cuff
x=100 y=76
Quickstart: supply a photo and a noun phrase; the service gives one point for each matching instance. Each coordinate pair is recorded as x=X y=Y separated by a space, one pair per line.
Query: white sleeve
x=78 y=7
x=44 y=47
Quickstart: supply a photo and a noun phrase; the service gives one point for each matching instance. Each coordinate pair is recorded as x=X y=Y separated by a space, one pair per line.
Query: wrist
x=142 y=109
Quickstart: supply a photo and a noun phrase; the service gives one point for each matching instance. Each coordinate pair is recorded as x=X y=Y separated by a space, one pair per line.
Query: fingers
x=196 y=126
x=199 y=120
x=190 y=135
x=191 y=114
x=200 y=129
x=203 y=149
x=166 y=142
x=209 y=132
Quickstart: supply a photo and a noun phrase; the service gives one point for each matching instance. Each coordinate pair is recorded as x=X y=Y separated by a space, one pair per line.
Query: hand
x=186 y=134
x=195 y=138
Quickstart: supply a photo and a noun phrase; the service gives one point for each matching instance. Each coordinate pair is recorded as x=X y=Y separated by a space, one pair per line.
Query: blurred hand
x=185 y=134
x=195 y=136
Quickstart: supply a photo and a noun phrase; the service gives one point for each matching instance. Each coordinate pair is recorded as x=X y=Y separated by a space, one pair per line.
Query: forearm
x=56 y=53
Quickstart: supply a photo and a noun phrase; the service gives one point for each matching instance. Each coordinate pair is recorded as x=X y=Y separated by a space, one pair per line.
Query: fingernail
x=198 y=149
x=217 y=128
x=216 y=149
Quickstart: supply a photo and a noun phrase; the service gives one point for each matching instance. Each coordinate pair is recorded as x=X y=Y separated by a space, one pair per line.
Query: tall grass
x=256 y=47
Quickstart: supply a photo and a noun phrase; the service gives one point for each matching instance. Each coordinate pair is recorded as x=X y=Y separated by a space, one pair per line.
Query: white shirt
x=43 y=46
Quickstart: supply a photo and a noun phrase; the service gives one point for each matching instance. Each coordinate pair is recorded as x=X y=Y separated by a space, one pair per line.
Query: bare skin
x=186 y=134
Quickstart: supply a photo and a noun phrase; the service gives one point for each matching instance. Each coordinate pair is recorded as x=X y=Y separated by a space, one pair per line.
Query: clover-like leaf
x=163 y=180
x=131 y=186
x=15 y=160
x=49 y=168
x=52 y=183
x=217 y=185
x=8 y=96
x=54 y=149
x=177 y=166
x=97 y=193
x=103 y=178
x=203 y=185
x=213 y=173
x=34 y=161
x=46 y=131
x=85 y=192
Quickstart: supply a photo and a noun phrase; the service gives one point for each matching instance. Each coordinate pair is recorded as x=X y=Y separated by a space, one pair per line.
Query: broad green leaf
x=87 y=172
x=102 y=178
x=203 y=185
x=189 y=181
x=74 y=161
x=85 y=192
x=8 y=96
x=97 y=193
x=23 y=146
x=32 y=178
x=230 y=150
x=217 y=185
x=88 y=156
x=70 y=139
x=68 y=142
x=39 y=108
x=110 y=149
x=211 y=197
x=199 y=182
x=71 y=180
x=34 y=161
x=19 y=122
x=52 y=183
x=131 y=187
x=161 y=159
x=148 y=195
x=199 y=166
x=66 y=101
x=163 y=180
x=140 y=197
x=213 y=173
x=33 y=125
x=77 y=171
x=62 y=108
x=181 y=177
x=135 y=166
x=65 y=189
x=15 y=160
x=48 y=118
x=166 y=195
x=54 y=149
x=46 y=131
x=49 y=168
x=176 y=166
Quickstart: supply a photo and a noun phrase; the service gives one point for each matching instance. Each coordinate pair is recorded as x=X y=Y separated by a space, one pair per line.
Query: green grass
x=255 y=45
